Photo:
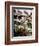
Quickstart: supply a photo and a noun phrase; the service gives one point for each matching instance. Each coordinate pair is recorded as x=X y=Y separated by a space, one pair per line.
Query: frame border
x=7 y=22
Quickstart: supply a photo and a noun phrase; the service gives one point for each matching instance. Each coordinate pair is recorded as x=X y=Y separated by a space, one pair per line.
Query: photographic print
x=21 y=23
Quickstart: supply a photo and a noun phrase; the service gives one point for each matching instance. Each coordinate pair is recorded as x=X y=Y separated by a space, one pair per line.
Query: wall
x=2 y=23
